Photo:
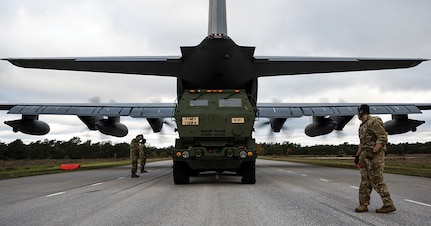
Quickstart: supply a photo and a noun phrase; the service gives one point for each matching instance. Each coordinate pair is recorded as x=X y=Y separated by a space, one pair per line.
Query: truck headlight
x=186 y=154
x=242 y=154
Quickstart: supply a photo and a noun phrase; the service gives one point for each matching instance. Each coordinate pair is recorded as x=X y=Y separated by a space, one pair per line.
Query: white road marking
x=121 y=178
x=304 y=175
x=416 y=202
x=97 y=184
x=55 y=194
x=354 y=187
x=324 y=180
x=289 y=171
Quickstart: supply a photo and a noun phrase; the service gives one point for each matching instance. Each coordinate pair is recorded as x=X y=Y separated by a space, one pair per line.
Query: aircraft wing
x=270 y=66
x=135 y=110
x=99 y=116
x=281 y=110
x=165 y=66
x=328 y=117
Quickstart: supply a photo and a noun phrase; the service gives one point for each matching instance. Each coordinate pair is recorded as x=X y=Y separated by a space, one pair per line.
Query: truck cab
x=215 y=134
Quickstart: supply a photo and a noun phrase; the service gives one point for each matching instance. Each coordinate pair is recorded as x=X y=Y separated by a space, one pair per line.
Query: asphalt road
x=284 y=194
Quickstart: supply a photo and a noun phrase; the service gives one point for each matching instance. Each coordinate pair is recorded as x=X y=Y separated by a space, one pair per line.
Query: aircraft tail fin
x=217 y=27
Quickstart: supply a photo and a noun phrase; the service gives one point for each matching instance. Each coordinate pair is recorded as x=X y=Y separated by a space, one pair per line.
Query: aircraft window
x=230 y=102
x=199 y=102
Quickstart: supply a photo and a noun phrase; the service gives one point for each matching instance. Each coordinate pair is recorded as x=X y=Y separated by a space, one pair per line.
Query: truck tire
x=249 y=172
x=181 y=173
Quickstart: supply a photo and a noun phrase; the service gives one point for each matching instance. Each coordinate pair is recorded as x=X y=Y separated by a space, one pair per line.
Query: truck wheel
x=249 y=173
x=181 y=173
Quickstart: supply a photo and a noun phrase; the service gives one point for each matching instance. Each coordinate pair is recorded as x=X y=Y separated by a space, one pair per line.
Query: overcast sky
x=333 y=28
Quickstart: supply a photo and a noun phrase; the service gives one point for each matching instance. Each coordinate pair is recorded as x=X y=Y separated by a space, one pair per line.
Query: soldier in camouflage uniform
x=134 y=153
x=143 y=155
x=371 y=158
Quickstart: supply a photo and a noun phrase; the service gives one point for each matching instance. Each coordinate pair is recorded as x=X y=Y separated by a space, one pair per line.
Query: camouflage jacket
x=134 y=148
x=371 y=132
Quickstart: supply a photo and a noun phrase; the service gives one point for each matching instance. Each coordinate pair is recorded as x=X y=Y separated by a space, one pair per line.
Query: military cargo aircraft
x=215 y=66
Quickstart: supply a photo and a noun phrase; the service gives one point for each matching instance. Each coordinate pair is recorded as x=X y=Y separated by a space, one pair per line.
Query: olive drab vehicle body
x=215 y=129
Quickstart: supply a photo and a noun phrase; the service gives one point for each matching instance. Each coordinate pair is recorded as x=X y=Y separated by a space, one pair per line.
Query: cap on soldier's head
x=364 y=108
x=139 y=135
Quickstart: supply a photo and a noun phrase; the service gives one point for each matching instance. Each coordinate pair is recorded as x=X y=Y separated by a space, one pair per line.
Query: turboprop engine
x=112 y=126
x=320 y=126
x=29 y=124
x=109 y=126
x=401 y=124
x=341 y=121
x=277 y=124
x=156 y=124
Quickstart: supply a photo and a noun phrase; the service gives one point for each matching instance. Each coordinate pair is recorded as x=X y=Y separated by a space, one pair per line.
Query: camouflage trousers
x=143 y=161
x=372 y=177
x=134 y=166
x=134 y=161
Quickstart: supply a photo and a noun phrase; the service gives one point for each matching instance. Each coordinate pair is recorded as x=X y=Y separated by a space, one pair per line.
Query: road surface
x=284 y=194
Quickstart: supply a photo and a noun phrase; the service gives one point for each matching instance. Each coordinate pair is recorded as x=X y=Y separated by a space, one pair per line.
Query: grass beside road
x=23 y=168
x=413 y=165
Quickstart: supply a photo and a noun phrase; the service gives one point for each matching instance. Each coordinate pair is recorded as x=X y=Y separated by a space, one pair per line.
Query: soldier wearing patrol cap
x=134 y=153
x=371 y=158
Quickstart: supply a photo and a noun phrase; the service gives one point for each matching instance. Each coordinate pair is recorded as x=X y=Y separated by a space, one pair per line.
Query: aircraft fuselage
x=217 y=63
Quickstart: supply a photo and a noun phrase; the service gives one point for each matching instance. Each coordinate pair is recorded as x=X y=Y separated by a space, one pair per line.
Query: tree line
x=344 y=149
x=75 y=148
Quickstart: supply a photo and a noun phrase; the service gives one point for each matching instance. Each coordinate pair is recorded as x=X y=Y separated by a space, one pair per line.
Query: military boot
x=386 y=209
x=134 y=175
x=361 y=208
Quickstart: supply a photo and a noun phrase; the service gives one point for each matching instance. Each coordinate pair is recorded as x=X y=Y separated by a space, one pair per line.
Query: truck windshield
x=230 y=102
x=199 y=102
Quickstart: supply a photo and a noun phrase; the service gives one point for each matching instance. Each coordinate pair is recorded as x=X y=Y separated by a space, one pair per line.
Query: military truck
x=215 y=129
